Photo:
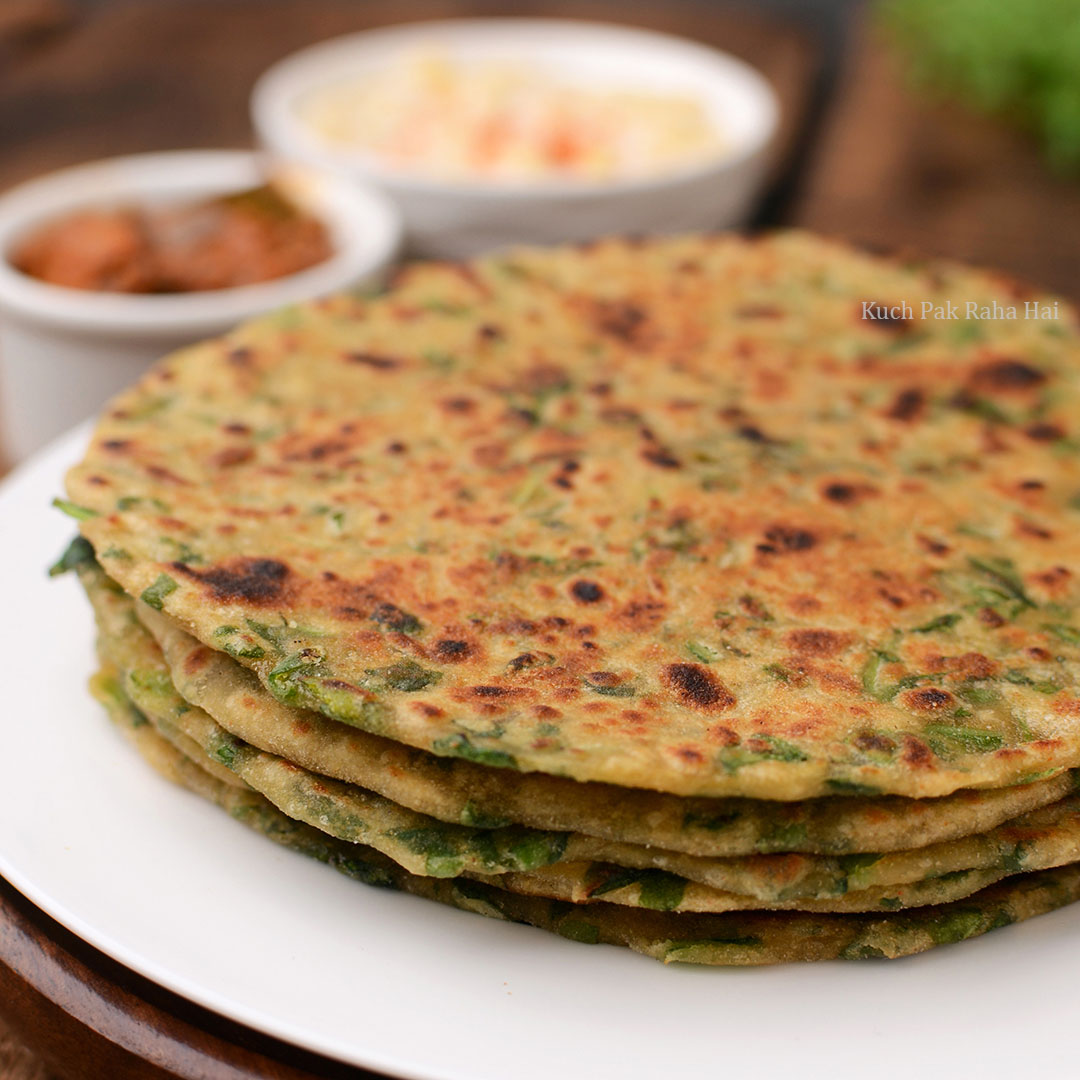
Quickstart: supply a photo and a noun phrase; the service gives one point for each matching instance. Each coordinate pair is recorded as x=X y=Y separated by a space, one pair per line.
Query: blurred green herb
x=1019 y=59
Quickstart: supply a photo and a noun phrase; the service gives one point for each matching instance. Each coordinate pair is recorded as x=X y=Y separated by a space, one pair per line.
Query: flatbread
x=426 y=846
x=675 y=515
x=719 y=940
x=113 y=683
x=472 y=794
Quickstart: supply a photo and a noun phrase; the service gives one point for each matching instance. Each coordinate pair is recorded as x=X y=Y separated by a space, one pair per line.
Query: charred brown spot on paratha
x=586 y=592
x=931 y=545
x=782 y=539
x=604 y=681
x=842 y=493
x=375 y=361
x=453 y=650
x=301 y=449
x=928 y=699
x=249 y=580
x=823 y=643
x=1044 y=432
x=872 y=742
x=160 y=472
x=425 y=708
x=722 y=736
x=969 y=665
x=241 y=357
x=621 y=319
x=1056 y=579
x=752 y=434
x=660 y=457
x=907 y=405
x=916 y=753
x=690 y=754
x=1006 y=375
x=643 y=613
x=1026 y=527
x=540 y=379
x=523 y=661
x=231 y=456
x=563 y=477
x=697 y=687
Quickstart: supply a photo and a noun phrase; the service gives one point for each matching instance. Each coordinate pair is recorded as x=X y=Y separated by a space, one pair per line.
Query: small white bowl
x=453 y=219
x=64 y=352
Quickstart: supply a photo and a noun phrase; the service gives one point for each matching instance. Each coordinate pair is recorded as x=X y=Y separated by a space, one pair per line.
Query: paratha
x=423 y=845
x=432 y=853
x=168 y=730
x=721 y=940
x=472 y=794
x=676 y=515
x=584 y=883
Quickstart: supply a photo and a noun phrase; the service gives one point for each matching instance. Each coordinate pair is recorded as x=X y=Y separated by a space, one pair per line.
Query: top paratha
x=670 y=515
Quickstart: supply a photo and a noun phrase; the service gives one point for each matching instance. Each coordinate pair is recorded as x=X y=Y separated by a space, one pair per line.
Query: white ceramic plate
x=169 y=886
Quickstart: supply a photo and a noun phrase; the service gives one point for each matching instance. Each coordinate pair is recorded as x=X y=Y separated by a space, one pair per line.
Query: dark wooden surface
x=893 y=169
x=154 y=75
x=90 y=1019
x=884 y=168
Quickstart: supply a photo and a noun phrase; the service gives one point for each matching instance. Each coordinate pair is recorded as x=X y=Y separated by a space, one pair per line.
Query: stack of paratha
x=709 y=596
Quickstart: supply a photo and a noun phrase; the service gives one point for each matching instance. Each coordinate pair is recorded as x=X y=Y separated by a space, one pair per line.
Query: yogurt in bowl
x=64 y=351
x=489 y=132
x=428 y=113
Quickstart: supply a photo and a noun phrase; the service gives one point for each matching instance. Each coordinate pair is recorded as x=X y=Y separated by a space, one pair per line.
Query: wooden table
x=91 y=1019
x=892 y=170
x=874 y=164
